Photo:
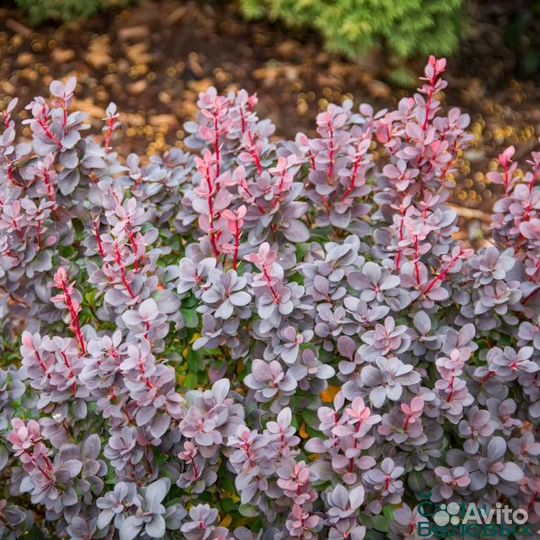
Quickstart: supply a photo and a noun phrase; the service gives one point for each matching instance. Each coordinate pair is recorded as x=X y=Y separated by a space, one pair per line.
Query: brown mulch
x=153 y=60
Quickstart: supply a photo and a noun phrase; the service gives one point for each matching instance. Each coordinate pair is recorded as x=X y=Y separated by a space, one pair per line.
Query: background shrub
x=354 y=27
x=521 y=33
x=66 y=10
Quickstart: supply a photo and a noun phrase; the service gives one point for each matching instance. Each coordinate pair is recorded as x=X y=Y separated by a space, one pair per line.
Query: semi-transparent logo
x=452 y=519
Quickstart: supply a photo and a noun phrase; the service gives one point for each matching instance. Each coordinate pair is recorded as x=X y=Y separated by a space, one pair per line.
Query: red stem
x=506 y=177
x=216 y=146
x=51 y=194
x=41 y=363
x=43 y=122
x=452 y=391
x=211 y=216
x=331 y=155
x=432 y=82
x=75 y=325
x=48 y=471
x=236 y=244
x=417 y=259
x=401 y=236
x=443 y=274
x=123 y=273
x=110 y=125
x=352 y=185
x=254 y=154
x=67 y=363
x=275 y=295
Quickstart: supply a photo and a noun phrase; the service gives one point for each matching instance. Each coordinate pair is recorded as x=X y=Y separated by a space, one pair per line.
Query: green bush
x=354 y=27
x=521 y=35
x=65 y=10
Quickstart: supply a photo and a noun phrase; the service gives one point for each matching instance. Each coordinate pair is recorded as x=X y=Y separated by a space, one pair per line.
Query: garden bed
x=154 y=59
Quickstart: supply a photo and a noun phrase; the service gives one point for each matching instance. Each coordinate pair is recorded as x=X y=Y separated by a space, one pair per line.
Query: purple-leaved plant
x=261 y=340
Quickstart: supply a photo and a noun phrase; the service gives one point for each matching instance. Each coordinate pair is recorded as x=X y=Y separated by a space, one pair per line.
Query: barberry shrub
x=257 y=340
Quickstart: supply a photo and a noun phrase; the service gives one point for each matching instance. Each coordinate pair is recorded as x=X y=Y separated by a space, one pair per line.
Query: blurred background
x=153 y=58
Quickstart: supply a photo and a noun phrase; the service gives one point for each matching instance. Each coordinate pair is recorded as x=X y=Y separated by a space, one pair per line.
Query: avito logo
x=447 y=520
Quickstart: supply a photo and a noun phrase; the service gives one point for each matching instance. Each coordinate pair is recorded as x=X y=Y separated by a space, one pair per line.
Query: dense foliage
x=354 y=27
x=521 y=34
x=65 y=10
x=259 y=340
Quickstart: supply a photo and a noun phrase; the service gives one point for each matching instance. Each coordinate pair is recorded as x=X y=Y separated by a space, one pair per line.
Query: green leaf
x=388 y=512
x=229 y=506
x=191 y=381
x=380 y=523
x=191 y=317
x=247 y=510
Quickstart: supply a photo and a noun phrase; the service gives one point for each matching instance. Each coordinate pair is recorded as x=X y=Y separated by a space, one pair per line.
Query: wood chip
x=60 y=56
x=132 y=119
x=138 y=53
x=99 y=52
x=137 y=88
x=176 y=15
x=168 y=120
x=134 y=32
x=471 y=213
x=288 y=49
x=25 y=59
x=19 y=28
x=379 y=90
x=88 y=107
x=8 y=88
